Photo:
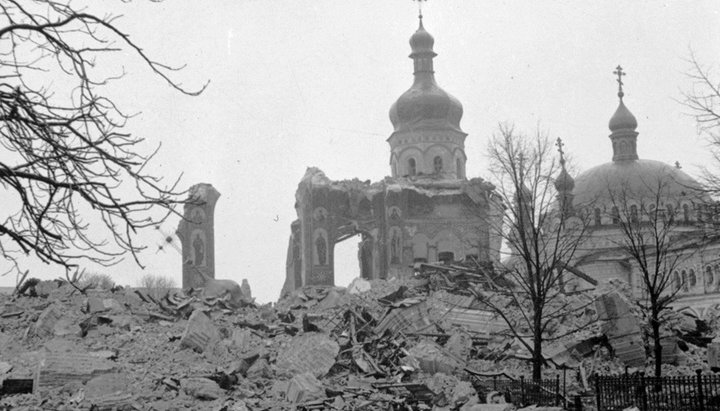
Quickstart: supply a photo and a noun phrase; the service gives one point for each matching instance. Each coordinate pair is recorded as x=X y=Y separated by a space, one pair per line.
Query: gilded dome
x=425 y=104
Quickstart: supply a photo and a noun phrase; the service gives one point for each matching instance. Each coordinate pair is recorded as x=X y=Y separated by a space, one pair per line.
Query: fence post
x=597 y=391
x=522 y=390
x=643 y=392
x=557 y=389
x=700 y=396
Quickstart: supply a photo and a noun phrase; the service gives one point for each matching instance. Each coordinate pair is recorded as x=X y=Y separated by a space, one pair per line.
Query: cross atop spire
x=419 y=2
x=619 y=73
x=559 y=143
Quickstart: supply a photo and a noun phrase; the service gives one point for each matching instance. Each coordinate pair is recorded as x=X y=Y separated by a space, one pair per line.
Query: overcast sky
x=309 y=83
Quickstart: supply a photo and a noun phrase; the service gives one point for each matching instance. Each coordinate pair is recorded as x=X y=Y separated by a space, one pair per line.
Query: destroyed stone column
x=197 y=235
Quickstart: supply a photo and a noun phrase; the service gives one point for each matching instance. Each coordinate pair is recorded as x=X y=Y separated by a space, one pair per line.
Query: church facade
x=426 y=210
x=648 y=194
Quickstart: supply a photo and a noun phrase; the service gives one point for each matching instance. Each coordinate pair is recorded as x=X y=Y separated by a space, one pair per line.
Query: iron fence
x=520 y=392
x=683 y=393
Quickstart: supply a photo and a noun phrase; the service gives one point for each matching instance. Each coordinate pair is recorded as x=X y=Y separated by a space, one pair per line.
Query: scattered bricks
x=611 y=306
x=310 y=352
x=304 y=387
x=45 y=324
x=408 y=319
x=56 y=370
x=109 y=391
x=202 y=388
x=432 y=358
x=200 y=333
x=713 y=354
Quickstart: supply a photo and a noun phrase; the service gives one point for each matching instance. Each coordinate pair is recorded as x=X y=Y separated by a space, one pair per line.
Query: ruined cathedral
x=426 y=210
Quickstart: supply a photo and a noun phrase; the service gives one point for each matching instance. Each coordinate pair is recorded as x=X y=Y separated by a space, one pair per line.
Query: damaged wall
x=400 y=221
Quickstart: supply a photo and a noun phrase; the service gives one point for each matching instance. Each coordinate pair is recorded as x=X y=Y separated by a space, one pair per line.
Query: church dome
x=564 y=182
x=425 y=104
x=627 y=175
x=639 y=178
x=623 y=119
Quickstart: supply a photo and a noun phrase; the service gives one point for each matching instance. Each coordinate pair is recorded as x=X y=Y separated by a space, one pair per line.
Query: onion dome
x=564 y=182
x=623 y=119
x=425 y=104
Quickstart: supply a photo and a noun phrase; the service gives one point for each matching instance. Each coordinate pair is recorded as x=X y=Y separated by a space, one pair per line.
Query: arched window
x=598 y=217
x=692 y=279
x=676 y=280
x=615 y=215
x=716 y=277
x=684 y=277
x=651 y=212
x=394 y=169
x=708 y=279
x=686 y=213
x=458 y=165
x=670 y=216
x=634 y=214
x=411 y=167
x=437 y=164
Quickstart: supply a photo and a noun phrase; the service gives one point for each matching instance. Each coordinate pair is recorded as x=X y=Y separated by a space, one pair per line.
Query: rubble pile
x=400 y=344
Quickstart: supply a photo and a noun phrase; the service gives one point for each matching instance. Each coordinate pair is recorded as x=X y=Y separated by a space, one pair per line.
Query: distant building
x=635 y=188
x=427 y=210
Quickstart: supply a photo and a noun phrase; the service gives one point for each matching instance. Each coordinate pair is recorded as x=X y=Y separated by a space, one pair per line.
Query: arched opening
x=684 y=277
x=598 y=216
x=692 y=279
x=458 y=164
x=615 y=215
x=676 y=281
x=670 y=216
x=412 y=167
x=686 y=213
x=708 y=279
x=437 y=164
x=634 y=214
x=347 y=254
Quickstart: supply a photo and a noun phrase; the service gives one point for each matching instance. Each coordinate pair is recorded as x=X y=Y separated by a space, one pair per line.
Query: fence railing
x=684 y=393
x=520 y=392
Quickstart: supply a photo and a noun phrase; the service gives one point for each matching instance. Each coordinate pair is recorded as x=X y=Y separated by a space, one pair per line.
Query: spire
x=622 y=126
x=564 y=182
x=421 y=43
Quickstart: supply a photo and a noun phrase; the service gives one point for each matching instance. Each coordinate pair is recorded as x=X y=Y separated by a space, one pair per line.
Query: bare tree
x=67 y=162
x=703 y=101
x=653 y=238
x=542 y=233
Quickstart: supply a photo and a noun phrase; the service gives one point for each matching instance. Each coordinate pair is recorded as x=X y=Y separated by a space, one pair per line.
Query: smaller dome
x=623 y=119
x=564 y=182
x=421 y=41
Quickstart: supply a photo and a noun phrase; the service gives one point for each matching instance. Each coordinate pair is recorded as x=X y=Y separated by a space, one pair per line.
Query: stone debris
x=304 y=387
x=59 y=369
x=314 y=353
x=200 y=333
x=411 y=344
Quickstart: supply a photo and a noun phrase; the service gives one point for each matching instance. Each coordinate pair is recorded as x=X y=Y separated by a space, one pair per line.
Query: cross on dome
x=620 y=73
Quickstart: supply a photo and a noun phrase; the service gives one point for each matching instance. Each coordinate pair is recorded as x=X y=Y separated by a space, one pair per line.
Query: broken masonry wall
x=401 y=221
x=196 y=231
